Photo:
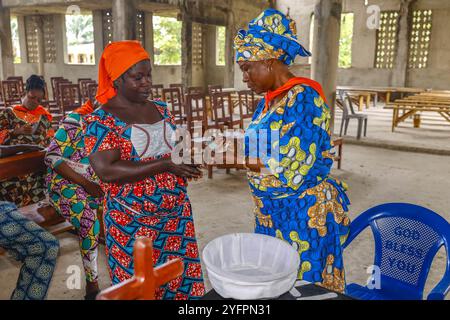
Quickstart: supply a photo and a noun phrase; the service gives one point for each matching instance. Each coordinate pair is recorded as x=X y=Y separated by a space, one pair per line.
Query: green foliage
x=80 y=29
x=345 y=41
x=15 y=40
x=167 y=40
x=220 y=46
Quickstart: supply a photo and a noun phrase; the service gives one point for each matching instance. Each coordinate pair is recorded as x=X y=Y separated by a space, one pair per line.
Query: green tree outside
x=345 y=41
x=220 y=46
x=167 y=40
x=80 y=29
x=15 y=40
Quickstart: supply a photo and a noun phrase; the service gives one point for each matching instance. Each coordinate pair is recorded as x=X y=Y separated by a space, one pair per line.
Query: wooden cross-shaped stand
x=146 y=278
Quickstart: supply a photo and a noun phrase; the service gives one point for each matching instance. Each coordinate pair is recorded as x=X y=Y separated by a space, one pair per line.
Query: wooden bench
x=387 y=92
x=410 y=106
x=338 y=143
x=42 y=213
x=364 y=97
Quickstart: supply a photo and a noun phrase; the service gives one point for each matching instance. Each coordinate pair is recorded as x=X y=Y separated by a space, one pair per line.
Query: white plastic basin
x=250 y=266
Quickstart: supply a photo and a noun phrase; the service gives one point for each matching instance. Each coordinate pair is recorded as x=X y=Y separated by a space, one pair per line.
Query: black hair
x=35 y=82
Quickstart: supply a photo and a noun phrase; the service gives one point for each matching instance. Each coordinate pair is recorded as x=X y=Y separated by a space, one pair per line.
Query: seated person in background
x=29 y=123
x=28 y=243
x=73 y=192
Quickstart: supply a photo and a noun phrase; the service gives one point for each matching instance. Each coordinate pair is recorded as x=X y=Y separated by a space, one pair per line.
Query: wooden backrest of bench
x=22 y=164
x=41 y=213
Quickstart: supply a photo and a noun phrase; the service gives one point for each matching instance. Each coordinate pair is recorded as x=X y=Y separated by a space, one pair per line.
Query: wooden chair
x=83 y=83
x=91 y=89
x=156 y=91
x=46 y=101
x=11 y=92
x=52 y=103
x=172 y=96
x=247 y=104
x=338 y=143
x=70 y=97
x=181 y=87
x=20 y=79
x=195 y=110
x=195 y=90
x=222 y=112
x=196 y=117
x=2 y=103
x=83 y=79
x=53 y=81
x=56 y=105
x=146 y=278
x=212 y=89
x=41 y=213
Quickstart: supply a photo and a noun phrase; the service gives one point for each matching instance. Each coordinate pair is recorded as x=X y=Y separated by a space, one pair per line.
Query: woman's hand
x=188 y=171
x=23 y=130
x=93 y=189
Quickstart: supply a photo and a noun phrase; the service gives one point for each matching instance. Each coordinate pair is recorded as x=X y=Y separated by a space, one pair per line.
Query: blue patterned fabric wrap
x=296 y=198
x=271 y=35
x=35 y=247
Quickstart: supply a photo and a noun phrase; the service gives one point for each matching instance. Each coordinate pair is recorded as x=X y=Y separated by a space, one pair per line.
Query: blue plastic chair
x=407 y=238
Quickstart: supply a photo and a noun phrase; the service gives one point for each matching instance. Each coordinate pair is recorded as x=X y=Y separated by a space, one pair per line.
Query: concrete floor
x=223 y=205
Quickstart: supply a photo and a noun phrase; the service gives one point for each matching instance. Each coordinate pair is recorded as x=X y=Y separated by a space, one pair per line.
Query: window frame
x=395 y=41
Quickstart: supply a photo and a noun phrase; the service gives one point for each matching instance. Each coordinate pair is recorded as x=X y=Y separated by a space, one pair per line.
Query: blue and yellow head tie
x=271 y=35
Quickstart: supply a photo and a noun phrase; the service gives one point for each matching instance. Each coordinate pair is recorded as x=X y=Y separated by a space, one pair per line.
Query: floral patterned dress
x=296 y=199
x=69 y=199
x=30 y=188
x=157 y=207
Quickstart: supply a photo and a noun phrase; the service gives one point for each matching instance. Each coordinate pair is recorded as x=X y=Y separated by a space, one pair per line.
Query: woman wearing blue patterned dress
x=296 y=198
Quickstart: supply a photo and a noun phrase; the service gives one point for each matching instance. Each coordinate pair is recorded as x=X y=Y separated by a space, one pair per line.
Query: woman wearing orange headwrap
x=129 y=141
x=29 y=123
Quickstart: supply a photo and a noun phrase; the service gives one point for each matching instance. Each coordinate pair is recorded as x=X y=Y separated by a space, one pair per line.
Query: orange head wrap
x=37 y=112
x=85 y=109
x=116 y=59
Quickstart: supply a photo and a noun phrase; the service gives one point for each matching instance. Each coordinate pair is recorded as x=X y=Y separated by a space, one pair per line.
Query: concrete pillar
x=97 y=20
x=399 y=75
x=327 y=25
x=230 y=33
x=41 y=44
x=22 y=39
x=124 y=16
x=61 y=40
x=186 y=50
x=148 y=40
x=6 y=46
